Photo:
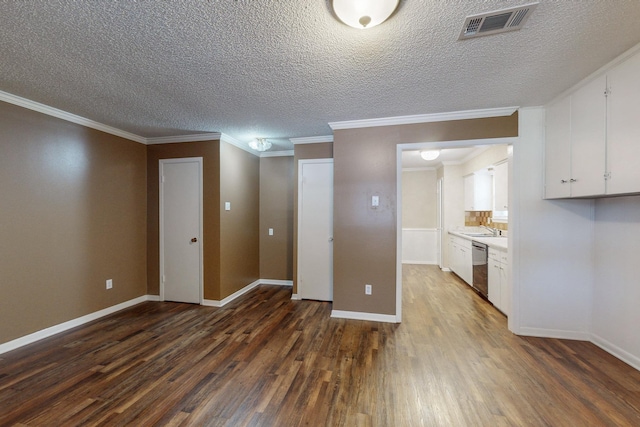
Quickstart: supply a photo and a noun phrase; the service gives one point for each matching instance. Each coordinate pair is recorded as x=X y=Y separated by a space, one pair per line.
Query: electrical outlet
x=367 y=289
x=109 y=283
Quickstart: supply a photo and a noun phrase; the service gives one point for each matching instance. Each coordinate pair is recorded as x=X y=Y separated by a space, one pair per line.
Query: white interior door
x=315 y=229
x=180 y=230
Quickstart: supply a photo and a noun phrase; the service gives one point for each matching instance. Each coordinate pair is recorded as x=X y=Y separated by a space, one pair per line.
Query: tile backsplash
x=477 y=218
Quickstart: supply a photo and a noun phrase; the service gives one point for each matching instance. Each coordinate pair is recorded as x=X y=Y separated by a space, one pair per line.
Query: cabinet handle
x=563 y=181
x=572 y=180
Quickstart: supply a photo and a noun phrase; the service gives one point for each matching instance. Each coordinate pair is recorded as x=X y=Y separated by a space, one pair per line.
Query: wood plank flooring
x=266 y=360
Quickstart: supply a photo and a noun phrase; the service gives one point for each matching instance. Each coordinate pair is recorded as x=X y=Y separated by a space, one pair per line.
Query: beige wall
x=210 y=153
x=365 y=238
x=489 y=157
x=419 y=202
x=322 y=150
x=276 y=212
x=239 y=227
x=73 y=215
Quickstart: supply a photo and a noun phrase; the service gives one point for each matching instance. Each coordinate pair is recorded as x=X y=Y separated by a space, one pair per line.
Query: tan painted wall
x=365 y=238
x=276 y=212
x=73 y=214
x=239 y=227
x=210 y=152
x=419 y=203
x=304 y=151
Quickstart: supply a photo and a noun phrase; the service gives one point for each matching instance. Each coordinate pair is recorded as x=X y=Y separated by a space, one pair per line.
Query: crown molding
x=73 y=118
x=424 y=118
x=311 y=139
x=282 y=153
x=184 y=138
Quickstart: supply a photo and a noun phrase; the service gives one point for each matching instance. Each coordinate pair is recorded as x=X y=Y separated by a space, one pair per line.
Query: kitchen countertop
x=492 y=242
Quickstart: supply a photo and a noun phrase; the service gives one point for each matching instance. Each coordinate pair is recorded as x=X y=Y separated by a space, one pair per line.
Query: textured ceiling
x=286 y=68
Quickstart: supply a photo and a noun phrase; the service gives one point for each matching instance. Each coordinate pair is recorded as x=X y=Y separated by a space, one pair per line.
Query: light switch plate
x=375 y=201
x=227 y=206
x=271 y=232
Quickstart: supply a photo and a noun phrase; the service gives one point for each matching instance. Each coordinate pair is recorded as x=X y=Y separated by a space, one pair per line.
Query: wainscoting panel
x=419 y=246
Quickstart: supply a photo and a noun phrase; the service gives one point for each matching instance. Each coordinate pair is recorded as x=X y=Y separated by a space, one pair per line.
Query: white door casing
x=181 y=270
x=315 y=229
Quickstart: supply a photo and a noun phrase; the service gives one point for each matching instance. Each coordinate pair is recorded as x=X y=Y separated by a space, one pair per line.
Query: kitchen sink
x=479 y=234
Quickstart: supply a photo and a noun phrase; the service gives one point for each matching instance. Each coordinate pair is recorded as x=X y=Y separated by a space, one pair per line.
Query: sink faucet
x=493 y=231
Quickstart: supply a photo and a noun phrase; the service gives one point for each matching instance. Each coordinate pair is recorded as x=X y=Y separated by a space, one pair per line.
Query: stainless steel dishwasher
x=480 y=272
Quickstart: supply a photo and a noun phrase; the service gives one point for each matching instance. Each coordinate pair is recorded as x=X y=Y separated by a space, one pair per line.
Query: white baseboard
x=276 y=282
x=613 y=349
x=446 y=269
x=296 y=297
x=554 y=333
x=358 y=315
x=56 y=329
x=237 y=294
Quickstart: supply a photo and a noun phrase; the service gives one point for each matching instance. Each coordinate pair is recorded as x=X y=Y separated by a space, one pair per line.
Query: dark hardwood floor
x=268 y=361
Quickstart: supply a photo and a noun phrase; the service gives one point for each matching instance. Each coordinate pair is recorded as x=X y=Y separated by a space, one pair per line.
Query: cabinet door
x=494 y=283
x=501 y=185
x=588 y=133
x=483 y=191
x=469 y=201
x=623 y=131
x=558 y=149
x=466 y=264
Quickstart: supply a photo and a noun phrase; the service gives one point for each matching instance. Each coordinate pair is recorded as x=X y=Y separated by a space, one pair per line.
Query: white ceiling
x=285 y=69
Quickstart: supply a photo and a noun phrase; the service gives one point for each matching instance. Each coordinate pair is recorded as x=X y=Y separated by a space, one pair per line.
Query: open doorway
x=445 y=180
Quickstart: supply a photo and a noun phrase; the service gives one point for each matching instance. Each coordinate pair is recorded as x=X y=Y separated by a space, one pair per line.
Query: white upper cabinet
x=588 y=139
x=623 y=132
x=478 y=192
x=501 y=187
x=592 y=137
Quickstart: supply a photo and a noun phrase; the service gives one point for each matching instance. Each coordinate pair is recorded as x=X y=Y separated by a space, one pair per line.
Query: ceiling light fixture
x=430 y=154
x=364 y=13
x=260 y=144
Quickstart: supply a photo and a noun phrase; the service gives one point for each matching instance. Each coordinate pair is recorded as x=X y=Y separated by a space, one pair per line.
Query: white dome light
x=430 y=154
x=364 y=13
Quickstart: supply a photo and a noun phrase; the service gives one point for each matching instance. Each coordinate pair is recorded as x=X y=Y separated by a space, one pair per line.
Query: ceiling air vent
x=497 y=21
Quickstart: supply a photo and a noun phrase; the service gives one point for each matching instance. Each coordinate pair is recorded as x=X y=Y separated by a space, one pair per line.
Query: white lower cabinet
x=499 y=290
x=460 y=258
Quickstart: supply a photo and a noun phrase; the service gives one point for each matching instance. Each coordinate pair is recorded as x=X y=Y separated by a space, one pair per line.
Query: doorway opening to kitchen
x=436 y=195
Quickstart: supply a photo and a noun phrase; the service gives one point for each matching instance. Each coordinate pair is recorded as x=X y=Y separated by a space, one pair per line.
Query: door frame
x=429 y=146
x=301 y=163
x=161 y=163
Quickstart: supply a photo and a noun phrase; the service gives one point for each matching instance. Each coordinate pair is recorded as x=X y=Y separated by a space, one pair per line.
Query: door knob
x=194 y=240
x=331 y=239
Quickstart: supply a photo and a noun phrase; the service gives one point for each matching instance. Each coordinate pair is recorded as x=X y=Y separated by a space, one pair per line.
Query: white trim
x=276 y=282
x=283 y=153
x=227 y=300
x=65 y=326
x=153 y=298
x=618 y=352
x=446 y=269
x=200 y=163
x=296 y=297
x=420 y=229
x=418 y=262
x=554 y=333
x=69 y=117
x=358 y=315
x=311 y=139
x=184 y=138
x=424 y=118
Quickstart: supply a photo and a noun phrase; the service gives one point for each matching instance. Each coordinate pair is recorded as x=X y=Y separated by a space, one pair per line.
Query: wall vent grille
x=495 y=22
